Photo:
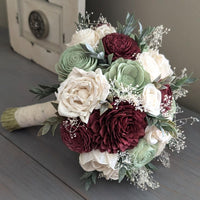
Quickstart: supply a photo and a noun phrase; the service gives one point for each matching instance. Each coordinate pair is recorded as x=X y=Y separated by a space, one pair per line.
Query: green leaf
x=151 y=166
x=94 y=178
x=151 y=120
x=122 y=174
x=104 y=107
x=119 y=27
x=50 y=123
x=88 y=184
x=191 y=80
x=85 y=175
x=184 y=81
x=127 y=17
x=157 y=79
x=130 y=25
x=89 y=47
x=44 y=130
x=89 y=178
x=55 y=105
x=44 y=91
x=100 y=47
x=110 y=57
x=79 y=17
x=101 y=56
x=140 y=28
x=53 y=129
x=52 y=120
x=147 y=31
x=110 y=98
x=168 y=126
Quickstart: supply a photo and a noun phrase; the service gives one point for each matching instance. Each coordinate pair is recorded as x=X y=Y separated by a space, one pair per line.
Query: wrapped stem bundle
x=27 y=116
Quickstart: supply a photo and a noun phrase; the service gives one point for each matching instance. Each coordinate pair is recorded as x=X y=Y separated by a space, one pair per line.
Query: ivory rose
x=85 y=36
x=153 y=135
x=100 y=161
x=151 y=99
x=155 y=64
x=104 y=30
x=81 y=93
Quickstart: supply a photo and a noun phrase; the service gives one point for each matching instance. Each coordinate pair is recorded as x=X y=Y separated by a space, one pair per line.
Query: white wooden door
x=57 y=18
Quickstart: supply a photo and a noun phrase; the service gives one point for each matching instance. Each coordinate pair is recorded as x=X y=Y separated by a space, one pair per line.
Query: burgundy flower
x=117 y=129
x=76 y=137
x=166 y=98
x=121 y=46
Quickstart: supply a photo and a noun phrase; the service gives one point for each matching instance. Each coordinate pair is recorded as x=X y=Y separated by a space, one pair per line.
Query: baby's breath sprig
x=84 y=22
x=154 y=39
x=181 y=81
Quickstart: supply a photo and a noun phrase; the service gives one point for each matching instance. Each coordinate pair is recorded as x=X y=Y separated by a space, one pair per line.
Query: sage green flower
x=143 y=153
x=128 y=73
x=74 y=56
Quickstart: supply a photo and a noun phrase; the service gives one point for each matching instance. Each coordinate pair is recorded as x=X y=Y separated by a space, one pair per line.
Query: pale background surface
x=181 y=46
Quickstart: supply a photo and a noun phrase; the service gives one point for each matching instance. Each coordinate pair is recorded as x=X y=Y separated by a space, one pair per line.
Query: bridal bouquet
x=115 y=104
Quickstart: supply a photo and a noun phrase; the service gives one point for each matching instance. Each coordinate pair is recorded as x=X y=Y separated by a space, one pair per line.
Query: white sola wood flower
x=155 y=136
x=155 y=64
x=104 y=30
x=81 y=93
x=100 y=161
x=151 y=98
x=85 y=36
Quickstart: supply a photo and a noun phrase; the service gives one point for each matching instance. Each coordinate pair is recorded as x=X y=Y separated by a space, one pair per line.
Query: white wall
x=3 y=14
x=181 y=46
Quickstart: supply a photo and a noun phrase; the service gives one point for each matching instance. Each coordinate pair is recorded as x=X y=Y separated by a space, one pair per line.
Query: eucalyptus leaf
x=104 y=107
x=147 y=31
x=151 y=166
x=100 y=47
x=157 y=79
x=88 y=184
x=80 y=17
x=44 y=91
x=53 y=129
x=85 y=175
x=89 y=47
x=122 y=174
x=89 y=178
x=162 y=87
x=110 y=57
x=55 y=105
x=127 y=17
x=52 y=120
x=130 y=25
x=110 y=98
x=44 y=130
x=179 y=82
x=94 y=177
x=140 y=28
x=100 y=55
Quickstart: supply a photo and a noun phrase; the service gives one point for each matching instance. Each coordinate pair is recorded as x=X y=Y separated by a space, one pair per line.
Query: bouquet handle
x=27 y=116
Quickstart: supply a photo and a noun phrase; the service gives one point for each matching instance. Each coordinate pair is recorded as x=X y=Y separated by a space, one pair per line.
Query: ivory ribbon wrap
x=33 y=115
